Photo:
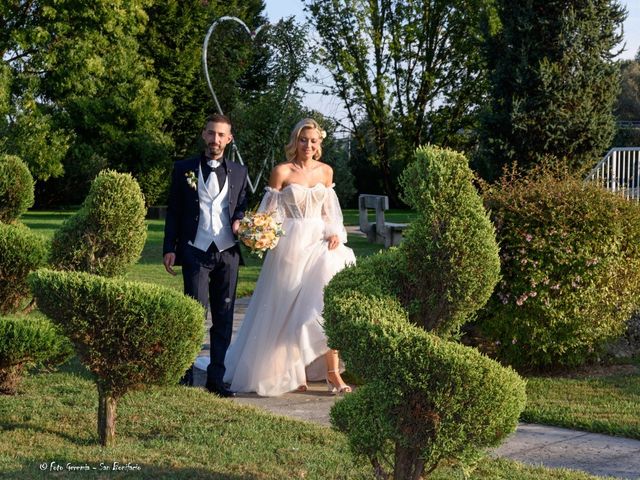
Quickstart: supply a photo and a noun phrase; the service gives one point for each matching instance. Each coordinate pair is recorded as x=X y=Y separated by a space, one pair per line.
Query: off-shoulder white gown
x=282 y=333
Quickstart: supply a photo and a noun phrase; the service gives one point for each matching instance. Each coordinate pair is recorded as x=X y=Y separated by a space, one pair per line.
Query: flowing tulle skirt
x=282 y=332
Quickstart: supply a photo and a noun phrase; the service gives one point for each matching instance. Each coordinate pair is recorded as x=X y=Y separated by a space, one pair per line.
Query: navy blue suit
x=210 y=277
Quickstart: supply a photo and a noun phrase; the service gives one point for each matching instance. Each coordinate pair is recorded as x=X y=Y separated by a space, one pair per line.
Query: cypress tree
x=553 y=83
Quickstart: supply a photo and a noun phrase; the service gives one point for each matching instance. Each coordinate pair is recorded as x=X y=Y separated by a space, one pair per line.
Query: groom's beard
x=214 y=151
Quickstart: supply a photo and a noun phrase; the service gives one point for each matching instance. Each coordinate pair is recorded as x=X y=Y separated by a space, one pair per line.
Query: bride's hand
x=333 y=242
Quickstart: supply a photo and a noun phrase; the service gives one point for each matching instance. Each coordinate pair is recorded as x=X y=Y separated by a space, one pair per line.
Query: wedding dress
x=282 y=333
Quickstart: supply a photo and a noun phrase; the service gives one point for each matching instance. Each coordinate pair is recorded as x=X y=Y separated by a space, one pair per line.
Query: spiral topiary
x=450 y=250
x=108 y=233
x=425 y=398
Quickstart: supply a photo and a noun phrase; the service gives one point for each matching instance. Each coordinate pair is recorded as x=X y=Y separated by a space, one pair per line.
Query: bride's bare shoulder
x=327 y=174
x=279 y=174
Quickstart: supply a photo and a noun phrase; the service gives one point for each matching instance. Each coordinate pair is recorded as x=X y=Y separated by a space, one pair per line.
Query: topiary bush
x=450 y=250
x=425 y=398
x=127 y=334
x=21 y=251
x=27 y=342
x=108 y=233
x=16 y=188
x=570 y=254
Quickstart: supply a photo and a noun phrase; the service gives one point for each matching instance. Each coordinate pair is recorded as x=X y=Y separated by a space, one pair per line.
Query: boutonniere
x=192 y=180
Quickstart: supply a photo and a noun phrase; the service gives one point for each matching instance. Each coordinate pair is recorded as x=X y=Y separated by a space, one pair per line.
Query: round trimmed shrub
x=108 y=233
x=450 y=250
x=21 y=251
x=27 y=342
x=16 y=188
x=128 y=334
x=570 y=254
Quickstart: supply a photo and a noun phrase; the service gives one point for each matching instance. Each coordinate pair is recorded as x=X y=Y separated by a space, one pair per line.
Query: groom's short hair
x=217 y=118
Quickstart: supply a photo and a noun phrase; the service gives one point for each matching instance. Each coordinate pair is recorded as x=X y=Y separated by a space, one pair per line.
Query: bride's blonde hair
x=291 y=148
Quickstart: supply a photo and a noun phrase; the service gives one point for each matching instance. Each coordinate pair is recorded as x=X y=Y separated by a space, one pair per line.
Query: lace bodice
x=297 y=201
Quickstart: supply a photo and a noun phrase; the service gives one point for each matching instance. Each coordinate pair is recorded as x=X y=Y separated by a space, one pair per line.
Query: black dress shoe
x=187 y=378
x=220 y=391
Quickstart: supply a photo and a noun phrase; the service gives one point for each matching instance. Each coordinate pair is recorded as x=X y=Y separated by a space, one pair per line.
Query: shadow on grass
x=74 y=439
x=76 y=368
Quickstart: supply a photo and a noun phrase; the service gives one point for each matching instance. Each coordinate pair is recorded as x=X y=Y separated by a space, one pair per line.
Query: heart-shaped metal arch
x=205 y=66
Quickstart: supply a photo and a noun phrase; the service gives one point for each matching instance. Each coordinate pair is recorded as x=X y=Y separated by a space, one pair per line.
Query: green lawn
x=178 y=432
x=605 y=404
x=184 y=433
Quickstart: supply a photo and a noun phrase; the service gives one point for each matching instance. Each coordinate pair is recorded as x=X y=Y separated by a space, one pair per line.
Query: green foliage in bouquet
x=570 y=255
x=450 y=250
x=16 y=188
x=127 y=334
x=21 y=251
x=108 y=233
x=425 y=398
x=27 y=342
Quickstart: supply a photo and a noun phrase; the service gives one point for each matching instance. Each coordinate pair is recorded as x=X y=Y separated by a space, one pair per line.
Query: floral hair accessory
x=192 y=180
x=323 y=134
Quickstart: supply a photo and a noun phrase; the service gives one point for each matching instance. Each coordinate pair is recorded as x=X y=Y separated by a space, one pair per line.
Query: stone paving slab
x=560 y=447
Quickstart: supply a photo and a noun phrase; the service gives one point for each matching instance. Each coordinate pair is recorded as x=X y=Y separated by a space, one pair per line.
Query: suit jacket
x=183 y=205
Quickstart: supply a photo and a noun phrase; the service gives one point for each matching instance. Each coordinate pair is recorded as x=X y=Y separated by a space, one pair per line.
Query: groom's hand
x=235 y=226
x=169 y=260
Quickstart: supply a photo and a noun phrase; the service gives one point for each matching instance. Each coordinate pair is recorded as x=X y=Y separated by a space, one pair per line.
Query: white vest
x=214 y=223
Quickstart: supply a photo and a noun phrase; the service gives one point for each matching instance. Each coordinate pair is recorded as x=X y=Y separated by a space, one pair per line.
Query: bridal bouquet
x=260 y=231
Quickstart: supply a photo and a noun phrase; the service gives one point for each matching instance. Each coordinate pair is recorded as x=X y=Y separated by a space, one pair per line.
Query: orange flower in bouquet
x=260 y=231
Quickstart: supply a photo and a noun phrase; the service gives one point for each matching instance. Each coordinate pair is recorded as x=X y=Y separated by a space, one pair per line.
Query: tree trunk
x=10 y=378
x=408 y=465
x=106 y=417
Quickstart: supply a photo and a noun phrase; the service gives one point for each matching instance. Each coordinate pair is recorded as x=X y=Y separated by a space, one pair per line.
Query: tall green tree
x=173 y=42
x=553 y=83
x=628 y=102
x=81 y=95
x=408 y=72
x=255 y=77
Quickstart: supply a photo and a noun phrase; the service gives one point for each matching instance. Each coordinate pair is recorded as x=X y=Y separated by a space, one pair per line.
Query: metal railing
x=619 y=172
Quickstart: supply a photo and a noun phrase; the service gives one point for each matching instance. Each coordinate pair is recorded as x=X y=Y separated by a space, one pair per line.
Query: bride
x=281 y=343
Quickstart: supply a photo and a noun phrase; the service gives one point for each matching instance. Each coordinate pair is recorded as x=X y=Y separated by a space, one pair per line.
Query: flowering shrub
x=570 y=255
x=260 y=232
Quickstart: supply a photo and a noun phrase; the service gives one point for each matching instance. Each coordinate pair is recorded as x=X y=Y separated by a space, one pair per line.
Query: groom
x=206 y=202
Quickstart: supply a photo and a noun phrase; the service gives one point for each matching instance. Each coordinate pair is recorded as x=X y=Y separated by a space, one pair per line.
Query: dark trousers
x=211 y=278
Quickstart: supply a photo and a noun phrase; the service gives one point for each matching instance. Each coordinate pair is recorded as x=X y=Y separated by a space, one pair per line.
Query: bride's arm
x=334 y=230
x=271 y=199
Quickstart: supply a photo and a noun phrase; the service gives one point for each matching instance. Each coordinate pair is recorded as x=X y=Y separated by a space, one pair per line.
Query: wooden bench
x=380 y=231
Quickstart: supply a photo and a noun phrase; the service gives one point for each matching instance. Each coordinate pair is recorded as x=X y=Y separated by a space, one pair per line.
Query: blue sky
x=277 y=9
